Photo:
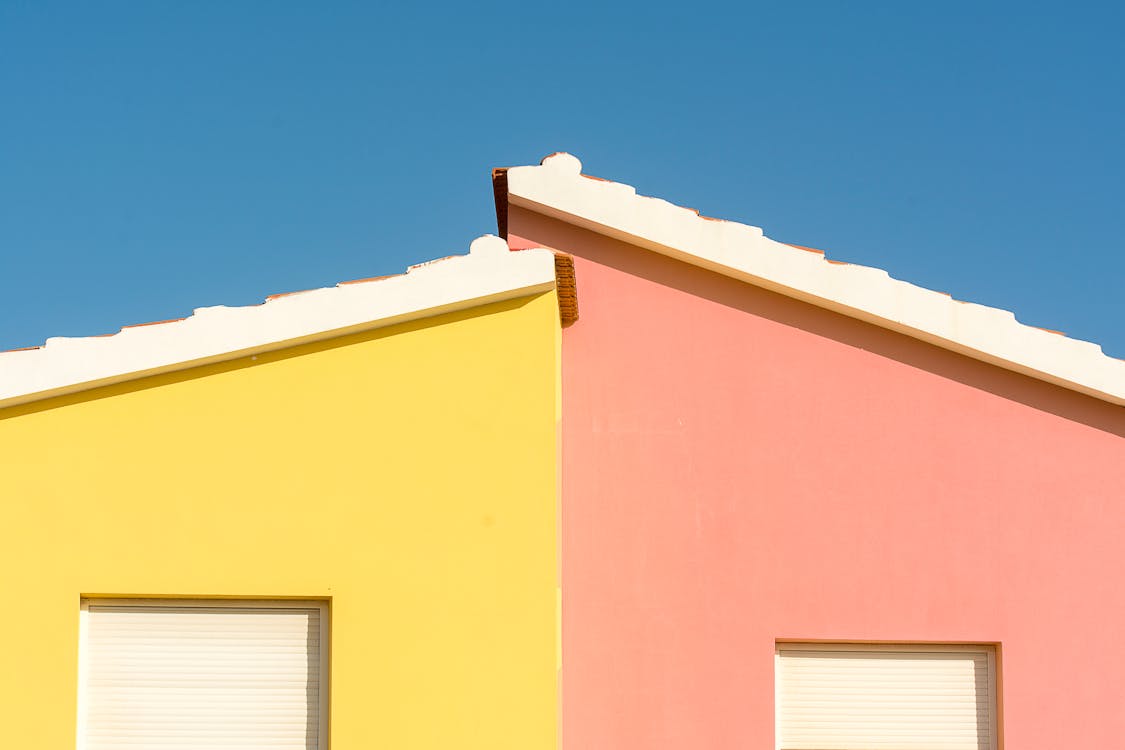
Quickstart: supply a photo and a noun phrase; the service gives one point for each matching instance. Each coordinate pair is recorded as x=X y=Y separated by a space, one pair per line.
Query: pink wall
x=740 y=467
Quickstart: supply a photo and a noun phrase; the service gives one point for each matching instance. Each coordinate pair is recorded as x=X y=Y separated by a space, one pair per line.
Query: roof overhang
x=558 y=189
x=489 y=273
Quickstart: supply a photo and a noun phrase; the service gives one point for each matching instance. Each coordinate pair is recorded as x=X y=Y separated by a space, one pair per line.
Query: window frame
x=990 y=650
x=321 y=605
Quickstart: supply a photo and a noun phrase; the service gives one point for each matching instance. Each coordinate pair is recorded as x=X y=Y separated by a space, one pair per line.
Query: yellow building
x=341 y=502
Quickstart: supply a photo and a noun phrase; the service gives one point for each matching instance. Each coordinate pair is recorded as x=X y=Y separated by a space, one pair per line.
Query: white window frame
x=318 y=604
x=989 y=650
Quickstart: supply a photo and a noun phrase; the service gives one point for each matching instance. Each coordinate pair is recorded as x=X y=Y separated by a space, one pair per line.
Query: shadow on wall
x=258 y=360
x=779 y=308
x=314 y=642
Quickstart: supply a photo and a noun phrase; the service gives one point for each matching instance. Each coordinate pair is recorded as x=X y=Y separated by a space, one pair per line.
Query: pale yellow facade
x=405 y=475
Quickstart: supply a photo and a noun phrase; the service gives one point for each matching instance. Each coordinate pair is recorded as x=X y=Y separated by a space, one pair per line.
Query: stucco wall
x=408 y=475
x=740 y=468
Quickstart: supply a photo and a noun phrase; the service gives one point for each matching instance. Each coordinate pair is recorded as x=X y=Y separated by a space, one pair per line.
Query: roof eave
x=558 y=189
x=489 y=273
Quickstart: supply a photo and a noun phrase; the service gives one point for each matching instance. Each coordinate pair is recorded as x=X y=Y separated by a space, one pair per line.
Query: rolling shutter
x=895 y=698
x=205 y=675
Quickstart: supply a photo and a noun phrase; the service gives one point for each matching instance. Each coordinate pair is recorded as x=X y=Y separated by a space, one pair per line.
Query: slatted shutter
x=193 y=675
x=846 y=697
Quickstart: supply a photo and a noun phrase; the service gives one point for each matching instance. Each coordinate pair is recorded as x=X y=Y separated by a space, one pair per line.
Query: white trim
x=325 y=644
x=489 y=273
x=559 y=190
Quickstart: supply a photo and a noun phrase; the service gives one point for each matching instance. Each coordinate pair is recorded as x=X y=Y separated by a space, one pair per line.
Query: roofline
x=489 y=273
x=558 y=189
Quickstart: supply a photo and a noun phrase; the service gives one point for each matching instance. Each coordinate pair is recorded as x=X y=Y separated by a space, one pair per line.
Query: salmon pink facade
x=743 y=468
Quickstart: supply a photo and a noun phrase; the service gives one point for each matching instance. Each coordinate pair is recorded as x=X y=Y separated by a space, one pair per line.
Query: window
x=860 y=697
x=175 y=674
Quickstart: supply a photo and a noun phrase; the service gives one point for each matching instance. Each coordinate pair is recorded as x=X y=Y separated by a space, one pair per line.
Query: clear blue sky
x=160 y=156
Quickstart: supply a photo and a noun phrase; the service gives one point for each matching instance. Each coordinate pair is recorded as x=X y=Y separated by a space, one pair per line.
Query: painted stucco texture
x=406 y=475
x=741 y=468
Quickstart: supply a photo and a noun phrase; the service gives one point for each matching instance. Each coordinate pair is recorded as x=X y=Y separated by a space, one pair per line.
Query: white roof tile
x=489 y=273
x=557 y=188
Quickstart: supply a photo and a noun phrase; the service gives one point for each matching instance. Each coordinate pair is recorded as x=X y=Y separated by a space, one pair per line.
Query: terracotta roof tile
x=142 y=325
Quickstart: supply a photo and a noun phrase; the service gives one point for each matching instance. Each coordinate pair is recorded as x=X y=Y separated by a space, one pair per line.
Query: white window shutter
x=891 y=698
x=189 y=676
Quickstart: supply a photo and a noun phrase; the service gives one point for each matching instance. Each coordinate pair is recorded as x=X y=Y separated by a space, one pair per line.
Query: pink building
x=808 y=506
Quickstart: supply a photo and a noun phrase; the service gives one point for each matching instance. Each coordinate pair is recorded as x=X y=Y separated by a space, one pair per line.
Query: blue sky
x=160 y=156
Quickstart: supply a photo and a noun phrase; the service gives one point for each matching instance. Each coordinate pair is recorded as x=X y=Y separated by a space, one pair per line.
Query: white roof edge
x=489 y=273
x=558 y=189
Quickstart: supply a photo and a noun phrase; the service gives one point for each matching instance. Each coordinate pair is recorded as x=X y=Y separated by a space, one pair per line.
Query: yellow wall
x=407 y=474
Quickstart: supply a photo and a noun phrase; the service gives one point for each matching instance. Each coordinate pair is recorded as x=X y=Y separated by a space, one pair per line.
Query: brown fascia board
x=566 y=288
x=500 y=196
